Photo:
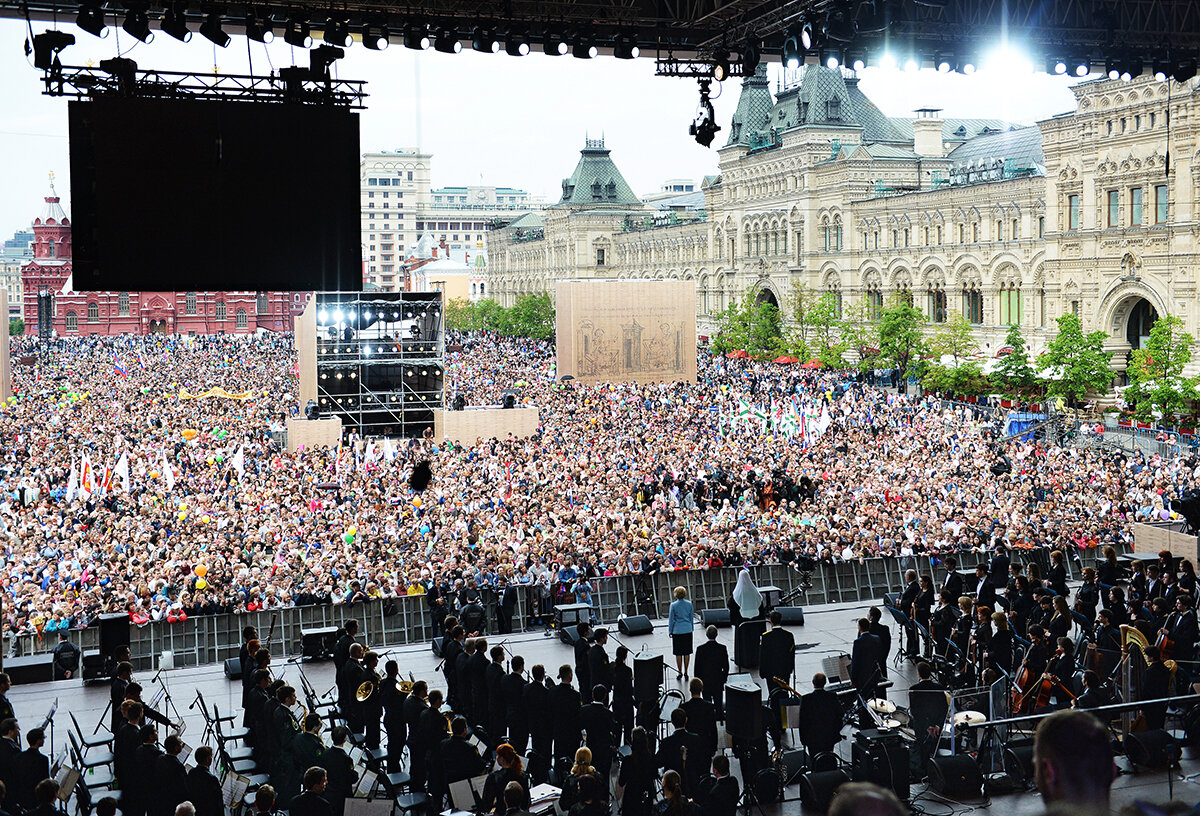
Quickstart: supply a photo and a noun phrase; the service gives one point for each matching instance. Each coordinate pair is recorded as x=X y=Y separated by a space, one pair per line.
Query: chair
x=93 y=759
x=86 y=798
x=95 y=777
x=90 y=740
x=237 y=733
x=241 y=752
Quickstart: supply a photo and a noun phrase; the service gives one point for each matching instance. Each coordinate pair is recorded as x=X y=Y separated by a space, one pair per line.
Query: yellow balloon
x=352 y=530
x=182 y=516
x=205 y=519
x=201 y=570
x=201 y=583
x=211 y=460
x=417 y=501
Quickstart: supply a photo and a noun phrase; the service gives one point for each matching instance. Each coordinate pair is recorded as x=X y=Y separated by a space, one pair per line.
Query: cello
x=1045 y=689
x=1023 y=682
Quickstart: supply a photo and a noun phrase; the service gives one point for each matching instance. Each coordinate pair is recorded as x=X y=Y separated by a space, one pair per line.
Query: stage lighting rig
x=213 y=31
x=91 y=20
x=137 y=24
x=46 y=47
x=259 y=30
x=174 y=22
x=704 y=127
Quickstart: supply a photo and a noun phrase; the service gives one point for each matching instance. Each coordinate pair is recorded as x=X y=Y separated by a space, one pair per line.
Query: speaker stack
x=744 y=710
x=1150 y=749
x=647 y=677
x=318 y=644
x=792 y=615
x=114 y=632
x=569 y=635
x=956 y=776
x=635 y=625
x=881 y=757
x=715 y=617
x=233 y=668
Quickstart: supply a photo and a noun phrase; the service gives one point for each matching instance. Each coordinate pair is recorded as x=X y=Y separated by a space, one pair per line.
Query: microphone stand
x=170 y=703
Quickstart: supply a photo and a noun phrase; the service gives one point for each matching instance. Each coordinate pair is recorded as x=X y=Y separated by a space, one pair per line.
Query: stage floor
x=829 y=630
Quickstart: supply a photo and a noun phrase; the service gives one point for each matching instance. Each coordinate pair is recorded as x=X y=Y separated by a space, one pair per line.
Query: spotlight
x=831 y=58
x=376 y=37
x=1161 y=67
x=968 y=67
x=1112 y=67
x=584 y=48
x=751 y=56
x=911 y=65
x=704 y=127
x=298 y=35
x=91 y=20
x=840 y=28
x=337 y=33
x=858 y=63
x=46 y=47
x=720 y=68
x=174 y=22
x=259 y=30
x=793 y=49
x=625 y=47
x=416 y=36
x=1134 y=67
x=211 y=29
x=1054 y=65
x=553 y=43
x=516 y=44
x=1183 y=70
x=942 y=64
x=1081 y=66
x=484 y=41
x=806 y=36
x=137 y=25
x=447 y=41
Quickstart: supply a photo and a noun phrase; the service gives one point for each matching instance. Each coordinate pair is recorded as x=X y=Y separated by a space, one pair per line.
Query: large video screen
x=192 y=195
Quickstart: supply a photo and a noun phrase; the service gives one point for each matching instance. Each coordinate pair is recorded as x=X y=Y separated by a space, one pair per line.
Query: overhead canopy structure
x=1127 y=34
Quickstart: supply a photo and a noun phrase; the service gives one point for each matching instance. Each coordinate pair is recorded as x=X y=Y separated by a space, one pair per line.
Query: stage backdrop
x=621 y=331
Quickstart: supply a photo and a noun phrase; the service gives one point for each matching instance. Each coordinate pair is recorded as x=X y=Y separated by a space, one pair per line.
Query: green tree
x=1013 y=374
x=462 y=315
x=803 y=301
x=824 y=317
x=16 y=327
x=860 y=332
x=965 y=379
x=955 y=337
x=1078 y=362
x=1156 y=371
x=492 y=315
x=901 y=340
x=750 y=326
x=532 y=316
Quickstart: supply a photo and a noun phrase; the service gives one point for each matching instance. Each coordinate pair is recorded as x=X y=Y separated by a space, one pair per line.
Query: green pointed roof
x=596 y=181
x=754 y=108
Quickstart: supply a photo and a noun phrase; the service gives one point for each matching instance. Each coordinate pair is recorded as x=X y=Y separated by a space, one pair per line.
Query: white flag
x=72 y=482
x=122 y=471
x=168 y=474
x=239 y=462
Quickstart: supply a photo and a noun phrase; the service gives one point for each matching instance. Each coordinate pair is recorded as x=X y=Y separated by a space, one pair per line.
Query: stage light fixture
x=704 y=127
x=1112 y=67
x=831 y=58
x=259 y=30
x=1161 y=69
x=841 y=28
x=858 y=63
x=720 y=68
x=1081 y=66
x=447 y=41
x=337 y=33
x=968 y=67
x=174 y=22
x=807 y=36
x=625 y=47
x=553 y=43
x=298 y=35
x=516 y=44
x=91 y=20
x=584 y=48
x=751 y=57
x=484 y=41
x=212 y=31
x=416 y=36
x=1183 y=69
x=1133 y=67
x=375 y=37
x=911 y=65
x=1056 y=65
x=137 y=25
x=943 y=64
x=793 y=51
x=46 y=47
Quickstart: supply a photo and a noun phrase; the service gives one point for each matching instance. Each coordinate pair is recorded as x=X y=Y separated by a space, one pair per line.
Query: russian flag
x=119 y=369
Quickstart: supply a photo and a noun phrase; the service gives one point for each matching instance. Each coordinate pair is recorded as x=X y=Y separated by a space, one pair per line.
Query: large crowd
x=620 y=478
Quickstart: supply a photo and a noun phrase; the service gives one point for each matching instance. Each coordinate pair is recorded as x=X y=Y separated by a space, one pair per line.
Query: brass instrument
x=299 y=712
x=406 y=686
x=364 y=691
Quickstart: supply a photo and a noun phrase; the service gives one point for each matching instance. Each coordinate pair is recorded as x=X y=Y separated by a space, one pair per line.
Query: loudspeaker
x=436 y=643
x=817 y=789
x=792 y=615
x=792 y=761
x=883 y=761
x=956 y=776
x=114 y=632
x=233 y=668
x=318 y=644
x=635 y=625
x=647 y=677
x=569 y=635
x=1018 y=764
x=744 y=710
x=715 y=617
x=1148 y=749
x=746 y=643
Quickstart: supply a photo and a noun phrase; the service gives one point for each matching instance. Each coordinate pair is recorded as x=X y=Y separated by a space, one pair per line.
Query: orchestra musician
x=701 y=716
x=985 y=590
x=622 y=690
x=370 y=710
x=283 y=730
x=339 y=770
x=477 y=674
x=413 y=707
x=349 y=678
x=712 y=666
x=908 y=597
x=432 y=729
x=537 y=699
x=516 y=714
x=581 y=647
x=953 y=582
x=452 y=647
x=599 y=671
x=393 y=698
x=511 y=770
x=564 y=710
x=341 y=650
x=465 y=703
x=820 y=718
x=602 y=730
x=497 y=708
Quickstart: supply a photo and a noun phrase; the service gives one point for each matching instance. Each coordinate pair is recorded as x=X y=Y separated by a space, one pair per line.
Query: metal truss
x=692 y=69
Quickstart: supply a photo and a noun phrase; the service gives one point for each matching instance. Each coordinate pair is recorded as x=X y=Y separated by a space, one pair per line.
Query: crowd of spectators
x=620 y=478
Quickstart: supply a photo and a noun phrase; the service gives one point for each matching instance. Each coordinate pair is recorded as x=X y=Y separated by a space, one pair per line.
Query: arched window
x=72 y=322
x=261 y=305
x=189 y=306
x=123 y=304
x=972 y=304
x=93 y=312
x=937 y=304
x=241 y=318
x=221 y=310
x=49 y=249
x=1010 y=305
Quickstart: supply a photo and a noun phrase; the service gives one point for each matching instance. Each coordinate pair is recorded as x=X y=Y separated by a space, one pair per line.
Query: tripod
x=745 y=755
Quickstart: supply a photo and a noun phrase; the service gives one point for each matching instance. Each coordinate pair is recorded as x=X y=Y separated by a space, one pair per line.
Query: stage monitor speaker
x=884 y=762
x=318 y=644
x=1018 y=764
x=792 y=615
x=569 y=635
x=647 y=677
x=436 y=644
x=1148 y=749
x=746 y=643
x=955 y=776
x=744 y=710
x=817 y=789
x=635 y=625
x=716 y=617
x=114 y=632
x=233 y=668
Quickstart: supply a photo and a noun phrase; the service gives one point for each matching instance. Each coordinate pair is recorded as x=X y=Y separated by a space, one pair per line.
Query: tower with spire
x=52 y=229
x=754 y=108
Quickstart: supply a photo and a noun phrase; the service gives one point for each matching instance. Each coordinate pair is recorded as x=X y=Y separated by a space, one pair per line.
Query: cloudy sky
x=501 y=120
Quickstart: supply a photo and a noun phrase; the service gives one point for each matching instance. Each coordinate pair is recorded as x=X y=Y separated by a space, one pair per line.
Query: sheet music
x=233 y=789
x=366 y=784
x=66 y=778
x=185 y=753
x=478 y=743
x=465 y=793
x=544 y=792
x=836 y=667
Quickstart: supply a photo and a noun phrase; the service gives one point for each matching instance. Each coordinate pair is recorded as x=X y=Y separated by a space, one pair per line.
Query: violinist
x=1039 y=653
x=1020 y=605
x=1096 y=692
x=1000 y=649
x=1087 y=597
x=941 y=624
x=1107 y=643
x=1184 y=633
x=1116 y=606
x=962 y=626
x=981 y=637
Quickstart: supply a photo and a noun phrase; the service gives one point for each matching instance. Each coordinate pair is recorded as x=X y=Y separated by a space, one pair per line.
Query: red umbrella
x=783 y=359
x=812 y=364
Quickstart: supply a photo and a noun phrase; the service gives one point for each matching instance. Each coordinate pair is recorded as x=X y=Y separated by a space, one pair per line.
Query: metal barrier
x=211 y=639
x=1146 y=440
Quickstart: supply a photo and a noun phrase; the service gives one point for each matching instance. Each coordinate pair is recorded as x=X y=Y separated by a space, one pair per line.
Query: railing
x=213 y=638
x=1145 y=440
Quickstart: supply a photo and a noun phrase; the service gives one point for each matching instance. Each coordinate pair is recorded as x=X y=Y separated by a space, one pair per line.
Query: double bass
x=1023 y=683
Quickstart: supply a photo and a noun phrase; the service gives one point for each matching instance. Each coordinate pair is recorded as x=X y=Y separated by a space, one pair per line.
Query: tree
x=1013 y=373
x=1158 y=386
x=462 y=315
x=955 y=337
x=1078 y=362
x=751 y=326
x=860 y=332
x=803 y=301
x=532 y=316
x=824 y=317
x=16 y=327
x=492 y=315
x=966 y=379
x=901 y=340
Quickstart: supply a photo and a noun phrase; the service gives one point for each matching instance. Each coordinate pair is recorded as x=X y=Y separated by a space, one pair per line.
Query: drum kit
x=890 y=718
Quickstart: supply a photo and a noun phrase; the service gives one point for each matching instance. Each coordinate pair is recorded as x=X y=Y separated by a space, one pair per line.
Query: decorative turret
x=754 y=108
x=52 y=230
x=927 y=133
x=596 y=181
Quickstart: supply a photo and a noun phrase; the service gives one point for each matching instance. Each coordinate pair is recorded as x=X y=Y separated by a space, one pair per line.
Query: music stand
x=903 y=622
x=49 y=722
x=467 y=794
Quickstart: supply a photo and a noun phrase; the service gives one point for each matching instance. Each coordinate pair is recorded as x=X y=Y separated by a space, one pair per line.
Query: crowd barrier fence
x=213 y=638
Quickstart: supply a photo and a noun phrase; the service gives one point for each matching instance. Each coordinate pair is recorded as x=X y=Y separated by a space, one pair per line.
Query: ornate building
x=112 y=313
x=1003 y=224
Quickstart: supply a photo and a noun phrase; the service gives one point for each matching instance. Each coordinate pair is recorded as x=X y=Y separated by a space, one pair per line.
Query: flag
x=122 y=471
x=118 y=368
x=141 y=360
x=72 y=482
x=85 y=478
x=743 y=410
x=168 y=473
x=106 y=482
x=389 y=450
x=239 y=462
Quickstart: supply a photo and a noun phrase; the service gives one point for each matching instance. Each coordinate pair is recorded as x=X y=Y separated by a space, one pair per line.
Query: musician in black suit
x=928 y=706
x=701 y=716
x=116 y=694
x=340 y=775
x=477 y=672
x=371 y=709
x=203 y=788
x=880 y=630
x=459 y=759
x=452 y=647
x=1056 y=578
x=942 y=620
x=312 y=802
x=777 y=653
x=599 y=672
x=125 y=742
x=349 y=677
x=984 y=589
x=1000 y=564
x=497 y=723
x=907 y=598
x=32 y=767
x=719 y=794
x=341 y=650
x=1156 y=684
x=622 y=692
x=603 y=730
x=536 y=696
x=712 y=666
x=170 y=778
x=582 y=669
x=425 y=742
x=820 y=718
x=393 y=715
x=564 y=713
x=135 y=799
x=864 y=660
x=412 y=709
x=516 y=714
x=682 y=752
x=1184 y=632
x=952 y=582
x=507 y=605
x=462 y=673
x=1096 y=692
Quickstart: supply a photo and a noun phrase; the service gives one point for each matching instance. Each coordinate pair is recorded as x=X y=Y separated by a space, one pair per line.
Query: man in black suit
x=66 y=658
x=999 y=567
x=599 y=672
x=126 y=741
x=928 y=706
x=340 y=775
x=170 y=778
x=204 y=789
x=507 y=605
x=117 y=693
x=1155 y=684
x=682 y=752
x=712 y=666
x=32 y=767
x=341 y=650
x=459 y=759
x=135 y=799
x=536 y=697
x=452 y=647
x=256 y=711
x=477 y=672
x=497 y=724
x=880 y=630
x=564 y=710
x=1184 y=633
x=820 y=718
x=582 y=669
x=10 y=754
x=719 y=793
x=985 y=592
x=907 y=598
x=602 y=729
x=516 y=714
x=701 y=716
x=777 y=653
x=349 y=677
x=953 y=582
x=462 y=682
x=312 y=802
x=864 y=660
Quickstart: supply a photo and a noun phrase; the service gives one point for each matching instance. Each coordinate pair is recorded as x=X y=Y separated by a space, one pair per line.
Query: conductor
x=865 y=658
x=777 y=658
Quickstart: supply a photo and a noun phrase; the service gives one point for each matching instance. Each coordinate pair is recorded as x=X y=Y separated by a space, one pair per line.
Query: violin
x=1045 y=689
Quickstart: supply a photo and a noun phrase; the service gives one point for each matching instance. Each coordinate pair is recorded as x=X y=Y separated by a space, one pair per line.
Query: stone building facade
x=1003 y=224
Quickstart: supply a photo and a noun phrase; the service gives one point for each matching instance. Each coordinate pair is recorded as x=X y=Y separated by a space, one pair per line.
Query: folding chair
x=93 y=759
x=236 y=733
x=90 y=740
x=234 y=753
x=95 y=777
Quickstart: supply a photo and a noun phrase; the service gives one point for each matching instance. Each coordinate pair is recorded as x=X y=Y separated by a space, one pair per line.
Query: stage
x=830 y=629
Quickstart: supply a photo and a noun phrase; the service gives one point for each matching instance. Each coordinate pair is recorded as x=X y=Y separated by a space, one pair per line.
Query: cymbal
x=969 y=718
x=882 y=706
x=890 y=724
